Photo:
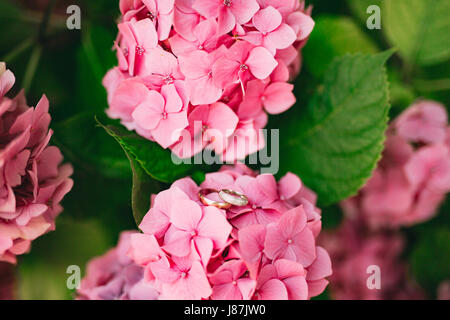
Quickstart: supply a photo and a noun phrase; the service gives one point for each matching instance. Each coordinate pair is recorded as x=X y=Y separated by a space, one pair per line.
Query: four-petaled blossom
x=163 y=114
x=413 y=176
x=290 y=239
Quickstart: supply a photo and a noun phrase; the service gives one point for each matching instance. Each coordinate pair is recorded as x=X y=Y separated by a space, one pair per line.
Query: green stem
x=432 y=85
x=18 y=50
x=45 y=21
x=31 y=67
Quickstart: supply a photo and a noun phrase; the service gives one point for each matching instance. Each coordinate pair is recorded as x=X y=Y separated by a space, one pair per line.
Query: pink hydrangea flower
x=444 y=290
x=353 y=249
x=33 y=179
x=215 y=52
x=413 y=176
x=115 y=276
x=190 y=250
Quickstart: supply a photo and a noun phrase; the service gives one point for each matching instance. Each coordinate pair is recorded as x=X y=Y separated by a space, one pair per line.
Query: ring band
x=208 y=202
x=233 y=197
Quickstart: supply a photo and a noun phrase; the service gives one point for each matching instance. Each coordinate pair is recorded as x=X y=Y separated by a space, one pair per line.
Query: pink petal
x=289 y=186
x=267 y=20
x=144 y=249
x=292 y=222
x=261 y=62
x=177 y=243
x=155 y=222
x=173 y=100
x=244 y=10
x=169 y=130
x=273 y=289
x=204 y=91
x=149 y=113
x=297 y=288
x=214 y=226
x=316 y=287
x=195 y=64
x=278 y=97
x=301 y=23
x=185 y=215
x=321 y=267
x=281 y=38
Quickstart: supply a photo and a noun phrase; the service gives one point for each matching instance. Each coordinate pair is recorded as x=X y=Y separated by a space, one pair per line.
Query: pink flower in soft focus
x=425 y=121
x=290 y=239
x=115 y=276
x=163 y=114
x=228 y=284
x=272 y=33
x=413 y=177
x=228 y=12
x=282 y=280
x=243 y=62
x=32 y=181
x=190 y=250
x=444 y=291
x=353 y=249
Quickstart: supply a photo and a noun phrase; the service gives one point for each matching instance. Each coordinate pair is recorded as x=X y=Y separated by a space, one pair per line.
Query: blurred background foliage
x=68 y=66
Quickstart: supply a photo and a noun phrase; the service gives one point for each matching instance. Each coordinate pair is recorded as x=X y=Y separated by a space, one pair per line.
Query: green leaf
x=150 y=163
x=419 y=29
x=334 y=36
x=152 y=158
x=429 y=258
x=90 y=147
x=335 y=143
x=143 y=187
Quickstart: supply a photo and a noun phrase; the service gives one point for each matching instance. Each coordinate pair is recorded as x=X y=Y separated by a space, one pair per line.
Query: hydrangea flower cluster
x=413 y=176
x=353 y=250
x=32 y=179
x=114 y=276
x=265 y=249
x=196 y=74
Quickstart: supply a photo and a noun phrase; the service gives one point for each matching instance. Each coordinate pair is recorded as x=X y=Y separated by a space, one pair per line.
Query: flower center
x=183 y=275
x=290 y=241
x=227 y=3
x=193 y=233
x=140 y=51
x=254 y=207
x=125 y=52
x=168 y=80
x=234 y=282
x=243 y=67
x=151 y=15
x=164 y=115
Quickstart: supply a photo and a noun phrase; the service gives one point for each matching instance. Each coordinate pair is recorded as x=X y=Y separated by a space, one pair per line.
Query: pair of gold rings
x=229 y=198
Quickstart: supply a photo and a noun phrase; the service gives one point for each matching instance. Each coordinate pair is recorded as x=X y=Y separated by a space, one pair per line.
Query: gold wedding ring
x=208 y=202
x=233 y=197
